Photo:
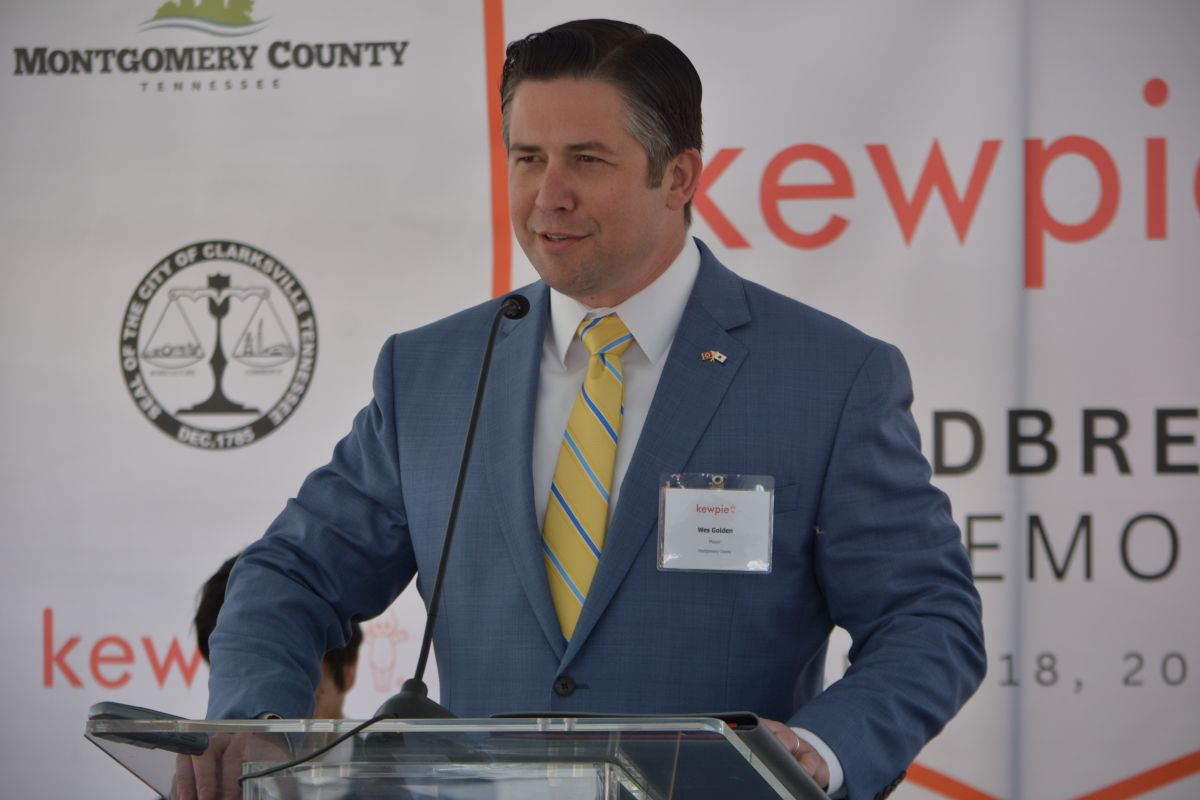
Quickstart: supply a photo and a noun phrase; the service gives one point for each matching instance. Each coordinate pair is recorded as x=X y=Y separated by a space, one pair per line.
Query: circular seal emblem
x=218 y=344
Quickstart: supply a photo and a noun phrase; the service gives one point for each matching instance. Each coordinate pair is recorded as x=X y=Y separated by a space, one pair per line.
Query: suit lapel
x=507 y=438
x=688 y=394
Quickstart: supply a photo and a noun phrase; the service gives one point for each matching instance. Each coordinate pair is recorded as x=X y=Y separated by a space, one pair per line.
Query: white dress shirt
x=652 y=316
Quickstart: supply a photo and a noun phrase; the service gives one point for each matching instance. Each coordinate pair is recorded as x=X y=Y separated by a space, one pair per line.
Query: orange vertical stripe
x=493 y=55
x=944 y=784
x=1150 y=779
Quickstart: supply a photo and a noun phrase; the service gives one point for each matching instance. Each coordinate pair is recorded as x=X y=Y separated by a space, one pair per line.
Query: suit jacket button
x=564 y=686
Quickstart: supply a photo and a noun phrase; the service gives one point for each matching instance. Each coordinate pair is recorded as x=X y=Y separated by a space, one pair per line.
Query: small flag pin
x=713 y=355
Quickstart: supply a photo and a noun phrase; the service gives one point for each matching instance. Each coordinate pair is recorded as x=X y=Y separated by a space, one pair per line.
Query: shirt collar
x=651 y=315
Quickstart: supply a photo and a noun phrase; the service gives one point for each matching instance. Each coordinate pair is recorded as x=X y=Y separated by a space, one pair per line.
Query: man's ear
x=682 y=178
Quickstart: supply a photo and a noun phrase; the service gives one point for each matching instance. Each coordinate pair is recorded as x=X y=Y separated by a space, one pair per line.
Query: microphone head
x=515 y=306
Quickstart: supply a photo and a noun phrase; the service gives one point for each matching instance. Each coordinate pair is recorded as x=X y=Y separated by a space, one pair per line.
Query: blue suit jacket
x=862 y=540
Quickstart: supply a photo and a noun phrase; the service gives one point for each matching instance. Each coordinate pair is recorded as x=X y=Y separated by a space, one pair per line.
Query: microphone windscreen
x=515 y=306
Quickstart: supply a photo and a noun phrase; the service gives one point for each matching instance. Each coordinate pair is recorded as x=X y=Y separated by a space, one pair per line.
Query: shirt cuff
x=836 y=777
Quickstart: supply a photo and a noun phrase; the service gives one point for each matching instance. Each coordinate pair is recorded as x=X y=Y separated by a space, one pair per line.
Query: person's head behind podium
x=338 y=669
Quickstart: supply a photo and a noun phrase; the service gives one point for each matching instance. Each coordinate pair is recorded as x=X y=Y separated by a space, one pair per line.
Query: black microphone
x=412 y=701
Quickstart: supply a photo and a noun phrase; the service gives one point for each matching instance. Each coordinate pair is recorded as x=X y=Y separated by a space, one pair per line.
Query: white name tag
x=715 y=523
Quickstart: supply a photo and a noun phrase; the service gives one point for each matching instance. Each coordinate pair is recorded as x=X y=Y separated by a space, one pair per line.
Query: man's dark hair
x=658 y=82
x=212 y=597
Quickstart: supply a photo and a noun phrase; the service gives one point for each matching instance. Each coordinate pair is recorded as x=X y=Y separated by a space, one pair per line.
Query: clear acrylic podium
x=584 y=758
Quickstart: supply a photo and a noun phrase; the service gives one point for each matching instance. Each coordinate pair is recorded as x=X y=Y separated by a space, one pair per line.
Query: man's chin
x=567 y=278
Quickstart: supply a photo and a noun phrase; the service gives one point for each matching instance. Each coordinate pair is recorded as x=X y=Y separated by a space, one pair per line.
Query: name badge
x=710 y=522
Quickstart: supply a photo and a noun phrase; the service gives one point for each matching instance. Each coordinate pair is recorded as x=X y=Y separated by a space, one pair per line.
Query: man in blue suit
x=715 y=375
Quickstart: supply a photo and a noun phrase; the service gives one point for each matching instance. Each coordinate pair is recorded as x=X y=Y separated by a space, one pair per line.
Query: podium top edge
x=549 y=724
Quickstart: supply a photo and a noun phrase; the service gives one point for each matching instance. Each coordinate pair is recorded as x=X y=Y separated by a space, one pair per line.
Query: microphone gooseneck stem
x=513 y=307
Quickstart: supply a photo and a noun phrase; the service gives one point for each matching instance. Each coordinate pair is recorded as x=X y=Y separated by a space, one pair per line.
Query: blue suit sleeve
x=895 y=574
x=340 y=550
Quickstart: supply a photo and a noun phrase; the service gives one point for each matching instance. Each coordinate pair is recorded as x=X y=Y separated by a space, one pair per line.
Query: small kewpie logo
x=725 y=509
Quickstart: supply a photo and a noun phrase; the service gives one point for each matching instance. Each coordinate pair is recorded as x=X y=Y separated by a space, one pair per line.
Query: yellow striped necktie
x=577 y=512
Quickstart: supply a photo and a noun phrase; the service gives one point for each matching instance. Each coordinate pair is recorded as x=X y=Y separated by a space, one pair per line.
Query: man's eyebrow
x=524 y=148
x=600 y=146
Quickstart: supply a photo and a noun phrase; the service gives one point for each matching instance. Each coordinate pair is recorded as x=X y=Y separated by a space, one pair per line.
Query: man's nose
x=555 y=191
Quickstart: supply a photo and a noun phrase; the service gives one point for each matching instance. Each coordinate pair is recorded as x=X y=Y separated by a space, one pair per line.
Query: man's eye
x=586 y=159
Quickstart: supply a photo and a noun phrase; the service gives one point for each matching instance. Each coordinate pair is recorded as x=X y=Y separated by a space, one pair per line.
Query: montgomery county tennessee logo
x=167 y=63
x=218 y=344
x=217 y=17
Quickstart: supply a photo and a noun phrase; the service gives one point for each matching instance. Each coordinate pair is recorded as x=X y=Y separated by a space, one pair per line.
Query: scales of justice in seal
x=175 y=344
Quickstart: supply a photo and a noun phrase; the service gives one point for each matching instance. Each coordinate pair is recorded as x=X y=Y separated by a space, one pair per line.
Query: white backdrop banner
x=214 y=213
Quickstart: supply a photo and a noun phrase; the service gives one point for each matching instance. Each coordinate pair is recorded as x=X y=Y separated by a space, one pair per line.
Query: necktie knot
x=605 y=336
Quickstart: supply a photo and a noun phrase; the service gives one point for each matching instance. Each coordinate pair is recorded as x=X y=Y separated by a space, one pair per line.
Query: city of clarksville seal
x=218 y=344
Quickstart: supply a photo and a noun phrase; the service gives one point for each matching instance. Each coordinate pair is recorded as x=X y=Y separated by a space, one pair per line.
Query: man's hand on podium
x=810 y=760
x=214 y=774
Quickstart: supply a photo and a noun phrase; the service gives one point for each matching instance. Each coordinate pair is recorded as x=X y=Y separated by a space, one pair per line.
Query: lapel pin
x=713 y=355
